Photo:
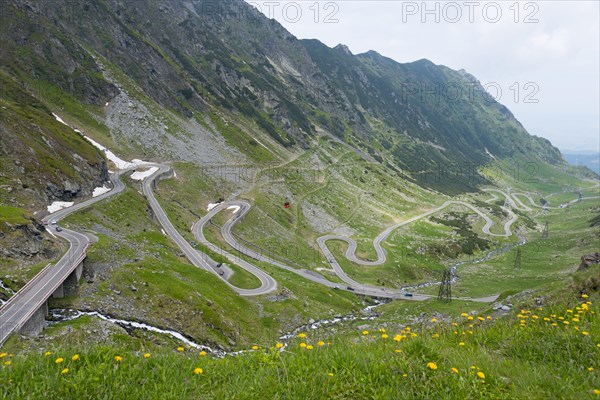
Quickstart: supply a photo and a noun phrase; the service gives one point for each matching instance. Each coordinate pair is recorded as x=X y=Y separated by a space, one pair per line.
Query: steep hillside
x=193 y=64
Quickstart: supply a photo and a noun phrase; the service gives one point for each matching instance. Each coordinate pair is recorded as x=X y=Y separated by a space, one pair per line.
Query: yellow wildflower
x=330 y=374
x=309 y=347
x=585 y=333
x=481 y=375
x=180 y=349
x=432 y=365
x=365 y=332
x=303 y=345
x=470 y=318
x=461 y=344
x=454 y=370
x=202 y=353
x=59 y=360
x=584 y=296
x=118 y=358
x=320 y=343
x=433 y=319
x=254 y=347
x=2 y=355
x=279 y=345
x=302 y=335
x=147 y=355
x=46 y=354
x=590 y=369
x=464 y=315
x=64 y=371
x=481 y=318
x=198 y=371
x=398 y=351
x=75 y=357
x=384 y=336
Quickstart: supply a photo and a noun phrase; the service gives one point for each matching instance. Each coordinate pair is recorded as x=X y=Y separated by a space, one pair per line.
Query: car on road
x=58 y=229
x=351 y=288
x=408 y=295
x=336 y=287
x=53 y=222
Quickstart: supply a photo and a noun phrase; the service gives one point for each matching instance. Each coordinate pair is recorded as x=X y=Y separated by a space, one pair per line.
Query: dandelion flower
x=585 y=333
x=309 y=347
x=590 y=369
x=198 y=371
x=59 y=360
x=489 y=317
x=64 y=371
x=279 y=345
x=481 y=375
x=405 y=375
x=435 y=335
x=202 y=353
x=454 y=370
x=584 y=296
x=570 y=311
x=365 y=332
x=473 y=367
x=320 y=343
x=597 y=392
x=470 y=318
x=4 y=355
x=432 y=366
x=302 y=335
x=330 y=374
x=7 y=362
x=46 y=354
x=75 y=357
x=180 y=349
x=433 y=319
x=397 y=338
x=118 y=358
x=147 y=355
x=254 y=347
x=566 y=322
x=461 y=344
x=464 y=315
x=384 y=336
x=303 y=345
x=381 y=330
x=481 y=318
x=398 y=351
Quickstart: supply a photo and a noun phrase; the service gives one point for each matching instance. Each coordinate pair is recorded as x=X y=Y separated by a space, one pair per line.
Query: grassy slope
x=502 y=358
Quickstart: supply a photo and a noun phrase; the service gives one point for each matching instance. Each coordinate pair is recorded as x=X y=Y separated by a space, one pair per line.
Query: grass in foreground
x=535 y=352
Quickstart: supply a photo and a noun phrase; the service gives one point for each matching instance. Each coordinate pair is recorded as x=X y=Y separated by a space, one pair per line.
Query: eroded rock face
x=588 y=261
x=24 y=242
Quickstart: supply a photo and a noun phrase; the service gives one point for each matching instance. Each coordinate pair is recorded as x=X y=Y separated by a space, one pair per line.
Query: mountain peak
x=344 y=48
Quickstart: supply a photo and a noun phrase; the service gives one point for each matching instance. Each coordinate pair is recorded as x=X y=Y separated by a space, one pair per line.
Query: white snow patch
x=234 y=208
x=100 y=191
x=140 y=176
x=489 y=154
x=212 y=205
x=121 y=164
x=59 y=205
x=59 y=119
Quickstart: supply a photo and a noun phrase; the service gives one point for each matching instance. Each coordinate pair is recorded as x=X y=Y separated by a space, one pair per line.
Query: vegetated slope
x=198 y=58
x=42 y=160
x=546 y=347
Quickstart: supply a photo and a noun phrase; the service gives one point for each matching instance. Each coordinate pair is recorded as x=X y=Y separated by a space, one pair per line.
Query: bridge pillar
x=36 y=323
x=60 y=292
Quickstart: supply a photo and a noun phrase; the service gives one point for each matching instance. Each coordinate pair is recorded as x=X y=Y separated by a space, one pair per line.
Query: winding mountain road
x=23 y=304
x=355 y=286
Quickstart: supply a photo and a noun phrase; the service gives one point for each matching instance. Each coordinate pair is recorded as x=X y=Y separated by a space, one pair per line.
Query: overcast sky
x=544 y=51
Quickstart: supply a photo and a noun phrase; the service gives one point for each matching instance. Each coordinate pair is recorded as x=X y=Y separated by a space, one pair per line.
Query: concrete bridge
x=26 y=311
